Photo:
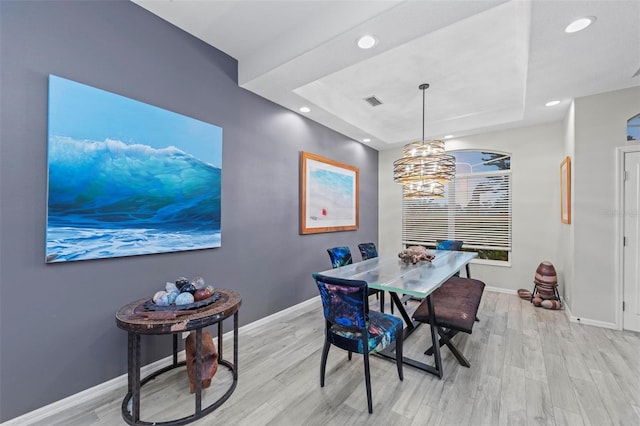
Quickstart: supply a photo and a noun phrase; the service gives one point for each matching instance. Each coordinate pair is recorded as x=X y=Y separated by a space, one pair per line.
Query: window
x=476 y=208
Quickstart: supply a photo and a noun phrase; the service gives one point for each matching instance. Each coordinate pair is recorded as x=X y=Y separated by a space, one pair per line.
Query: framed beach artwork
x=565 y=190
x=126 y=178
x=329 y=195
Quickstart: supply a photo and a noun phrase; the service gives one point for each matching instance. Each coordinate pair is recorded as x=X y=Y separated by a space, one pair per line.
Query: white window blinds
x=476 y=209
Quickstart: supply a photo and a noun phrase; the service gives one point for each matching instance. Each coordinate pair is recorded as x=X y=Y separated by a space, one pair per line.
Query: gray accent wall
x=58 y=334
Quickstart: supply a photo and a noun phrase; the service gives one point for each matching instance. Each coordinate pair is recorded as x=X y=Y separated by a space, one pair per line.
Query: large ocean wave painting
x=127 y=178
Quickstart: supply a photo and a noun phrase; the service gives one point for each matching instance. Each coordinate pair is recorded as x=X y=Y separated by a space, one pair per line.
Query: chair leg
x=323 y=361
x=399 y=343
x=350 y=354
x=381 y=301
x=367 y=380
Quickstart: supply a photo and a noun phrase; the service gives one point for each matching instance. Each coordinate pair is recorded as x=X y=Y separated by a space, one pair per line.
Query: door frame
x=619 y=215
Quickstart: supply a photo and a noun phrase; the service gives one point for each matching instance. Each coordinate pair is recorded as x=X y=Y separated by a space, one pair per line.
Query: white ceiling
x=491 y=64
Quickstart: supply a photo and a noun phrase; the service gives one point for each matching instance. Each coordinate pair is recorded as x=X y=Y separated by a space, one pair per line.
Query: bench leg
x=445 y=339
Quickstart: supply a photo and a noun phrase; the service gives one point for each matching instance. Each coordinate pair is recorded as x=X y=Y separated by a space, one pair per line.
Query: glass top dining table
x=420 y=280
x=390 y=273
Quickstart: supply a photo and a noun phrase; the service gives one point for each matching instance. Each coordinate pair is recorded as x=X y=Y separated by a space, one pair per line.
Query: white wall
x=536 y=153
x=567 y=230
x=600 y=127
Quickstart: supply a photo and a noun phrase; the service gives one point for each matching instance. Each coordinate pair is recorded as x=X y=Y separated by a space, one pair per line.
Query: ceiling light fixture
x=367 y=42
x=424 y=167
x=448 y=137
x=552 y=103
x=580 y=24
x=305 y=109
x=366 y=140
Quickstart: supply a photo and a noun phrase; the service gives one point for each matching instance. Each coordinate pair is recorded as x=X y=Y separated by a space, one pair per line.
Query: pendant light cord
x=423 y=87
x=423 y=114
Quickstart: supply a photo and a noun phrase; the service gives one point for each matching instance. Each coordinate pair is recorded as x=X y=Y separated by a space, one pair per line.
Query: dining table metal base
x=412 y=326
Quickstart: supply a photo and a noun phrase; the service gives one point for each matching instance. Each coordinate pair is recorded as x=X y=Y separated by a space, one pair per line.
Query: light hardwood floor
x=529 y=366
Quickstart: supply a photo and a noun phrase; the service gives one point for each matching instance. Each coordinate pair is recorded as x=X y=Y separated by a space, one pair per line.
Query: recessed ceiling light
x=367 y=42
x=552 y=103
x=366 y=140
x=580 y=24
x=305 y=109
x=448 y=136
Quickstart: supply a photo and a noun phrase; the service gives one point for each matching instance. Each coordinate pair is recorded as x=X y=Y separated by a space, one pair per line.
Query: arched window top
x=473 y=161
x=475 y=208
x=633 y=128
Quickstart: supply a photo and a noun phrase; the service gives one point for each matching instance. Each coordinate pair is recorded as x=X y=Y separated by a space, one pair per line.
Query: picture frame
x=565 y=190
x=329 y=195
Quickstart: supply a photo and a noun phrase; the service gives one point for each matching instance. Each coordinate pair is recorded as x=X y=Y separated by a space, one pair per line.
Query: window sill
x=501 y=263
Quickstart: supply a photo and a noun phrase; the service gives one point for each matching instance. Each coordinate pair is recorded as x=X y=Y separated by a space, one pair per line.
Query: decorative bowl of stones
x=182 y=295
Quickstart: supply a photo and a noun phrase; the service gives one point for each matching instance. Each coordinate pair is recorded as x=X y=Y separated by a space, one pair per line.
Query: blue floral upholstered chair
x=455 y=245
x=449 y=245
x=350 y=325
x=341 y=256
x=368 y=250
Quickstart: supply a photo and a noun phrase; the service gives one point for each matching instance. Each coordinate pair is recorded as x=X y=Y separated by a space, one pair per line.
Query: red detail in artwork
x=324 y=212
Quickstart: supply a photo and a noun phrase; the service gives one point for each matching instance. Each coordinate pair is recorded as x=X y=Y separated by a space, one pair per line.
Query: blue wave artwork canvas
x=127 y=178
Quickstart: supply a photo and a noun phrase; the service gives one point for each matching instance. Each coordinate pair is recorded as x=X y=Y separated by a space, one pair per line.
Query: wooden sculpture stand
x=209 y=359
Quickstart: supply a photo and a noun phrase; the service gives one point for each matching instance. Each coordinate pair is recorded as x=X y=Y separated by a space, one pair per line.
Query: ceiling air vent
x=373 y=101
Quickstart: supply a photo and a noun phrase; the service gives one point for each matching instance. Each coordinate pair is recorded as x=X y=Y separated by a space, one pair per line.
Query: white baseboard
x=501 y=290
x=40 y=415
x=587 y=321
x=595 y=323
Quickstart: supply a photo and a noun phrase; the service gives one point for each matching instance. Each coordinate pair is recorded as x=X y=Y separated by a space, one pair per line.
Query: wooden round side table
x=136 y=320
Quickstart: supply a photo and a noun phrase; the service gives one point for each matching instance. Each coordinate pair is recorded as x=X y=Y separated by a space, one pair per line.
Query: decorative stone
x=202 y=294
x=198 y=282
x=169 y=287
x=172 y=295
x=551 y=304
x=158 y=295
x=524 y=294
x=537 y=301
x=546 y=274
x=210 y=288
x=163 y=300
x=184 y=299
x=188 y=288
x=181 y=282
x=545 y=292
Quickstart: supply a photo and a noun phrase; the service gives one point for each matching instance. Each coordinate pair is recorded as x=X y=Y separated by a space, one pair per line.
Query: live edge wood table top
x=134 y=318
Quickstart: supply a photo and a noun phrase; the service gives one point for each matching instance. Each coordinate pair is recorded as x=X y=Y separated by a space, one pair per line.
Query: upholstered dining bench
x=455 y=305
